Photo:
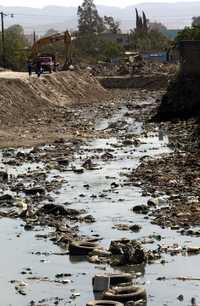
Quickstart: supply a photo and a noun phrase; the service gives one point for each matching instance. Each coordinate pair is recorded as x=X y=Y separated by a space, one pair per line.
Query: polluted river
x=36 y=267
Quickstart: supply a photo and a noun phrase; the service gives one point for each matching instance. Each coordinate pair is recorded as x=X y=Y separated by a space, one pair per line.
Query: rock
x=78 y=171
x=89 y=165
x=121 y=227
x=180 y=298
x=34 y=191
x=107 y=156
x=141 y=209
x=135 y=228
x=63 y=162
x=56 y=210
x=127 y=142
x=88 y=219
x=28 y=227
x=3 y=177
x=153 y=202
x=114 y=185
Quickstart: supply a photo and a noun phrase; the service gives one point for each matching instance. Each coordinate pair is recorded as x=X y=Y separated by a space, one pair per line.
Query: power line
x=70 y=17
x=40 y=15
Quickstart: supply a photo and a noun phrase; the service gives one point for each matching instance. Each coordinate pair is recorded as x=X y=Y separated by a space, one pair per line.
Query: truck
x=47 y=62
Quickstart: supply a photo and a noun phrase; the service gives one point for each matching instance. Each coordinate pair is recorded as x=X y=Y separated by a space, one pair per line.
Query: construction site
x=100 y=178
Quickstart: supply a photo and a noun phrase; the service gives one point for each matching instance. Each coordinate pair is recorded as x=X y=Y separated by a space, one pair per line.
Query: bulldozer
x=48 y=62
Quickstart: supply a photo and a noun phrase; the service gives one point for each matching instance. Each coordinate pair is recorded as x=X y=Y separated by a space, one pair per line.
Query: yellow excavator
x=47 y=62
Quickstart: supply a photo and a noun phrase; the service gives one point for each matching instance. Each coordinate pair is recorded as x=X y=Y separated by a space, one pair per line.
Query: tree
x=158 y=26
x=141 y=22
x=16 y=48
x=145 y=22
x=50 y=32
x=109 y=50
x=111 y=25
x=189 y=33
x=195 y=21
x=89 y=20
x=149 y=41
x=146 y=36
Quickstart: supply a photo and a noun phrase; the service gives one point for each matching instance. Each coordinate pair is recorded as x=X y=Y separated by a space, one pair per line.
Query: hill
x=173 y=15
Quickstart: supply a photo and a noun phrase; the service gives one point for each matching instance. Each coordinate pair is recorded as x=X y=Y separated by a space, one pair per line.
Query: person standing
x=30 y=68
x=38 y=68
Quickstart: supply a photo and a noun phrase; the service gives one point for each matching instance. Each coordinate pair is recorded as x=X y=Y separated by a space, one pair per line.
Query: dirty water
x=22 y=250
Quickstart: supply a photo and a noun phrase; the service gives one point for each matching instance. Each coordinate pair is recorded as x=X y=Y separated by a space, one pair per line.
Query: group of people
x=38 y=68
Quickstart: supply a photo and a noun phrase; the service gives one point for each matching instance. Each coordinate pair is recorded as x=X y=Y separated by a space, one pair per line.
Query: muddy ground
x=104 y=173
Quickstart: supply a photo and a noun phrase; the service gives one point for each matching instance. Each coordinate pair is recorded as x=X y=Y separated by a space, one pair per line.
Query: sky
x=42 y=3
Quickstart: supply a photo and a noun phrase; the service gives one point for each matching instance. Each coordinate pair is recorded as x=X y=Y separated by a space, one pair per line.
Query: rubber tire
x=103 y=303
x=116 y=279
x=125 y=294
x=81 y=248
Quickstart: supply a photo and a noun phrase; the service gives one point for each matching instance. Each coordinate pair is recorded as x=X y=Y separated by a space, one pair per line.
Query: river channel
x=40 y=259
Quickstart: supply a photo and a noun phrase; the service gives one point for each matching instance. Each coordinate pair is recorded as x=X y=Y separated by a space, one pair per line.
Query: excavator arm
x=65 y=37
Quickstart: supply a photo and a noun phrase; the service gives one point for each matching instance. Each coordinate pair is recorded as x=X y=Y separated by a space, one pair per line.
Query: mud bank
x=150 y=81
x=35 y=111
x=23 y=99
x=181 y=100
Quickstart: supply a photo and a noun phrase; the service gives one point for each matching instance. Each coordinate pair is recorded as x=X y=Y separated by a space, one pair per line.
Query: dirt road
x=13 y=75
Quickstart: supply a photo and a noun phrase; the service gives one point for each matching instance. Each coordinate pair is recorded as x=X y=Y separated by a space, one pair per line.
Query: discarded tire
x=116 y=279
x=104 y=303
x=81 y=248
x=124 y=294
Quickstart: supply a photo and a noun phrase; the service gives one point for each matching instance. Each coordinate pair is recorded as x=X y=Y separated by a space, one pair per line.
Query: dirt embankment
x=181 y=99
x=23 y=99
x=41 y=106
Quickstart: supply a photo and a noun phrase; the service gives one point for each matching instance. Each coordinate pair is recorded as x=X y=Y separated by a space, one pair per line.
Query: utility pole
x=34 y=37
x=3 y=39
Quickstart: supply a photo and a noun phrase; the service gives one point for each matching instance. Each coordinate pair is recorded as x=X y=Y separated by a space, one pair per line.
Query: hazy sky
x=41 y=3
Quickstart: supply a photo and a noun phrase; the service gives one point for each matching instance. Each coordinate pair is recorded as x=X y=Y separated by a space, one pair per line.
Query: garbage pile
x=139 y=67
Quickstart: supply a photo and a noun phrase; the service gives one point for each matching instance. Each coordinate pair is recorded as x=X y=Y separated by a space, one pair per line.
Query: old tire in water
x=125 y=294
x=116 y=279
x=81 y=248
x=104 y=303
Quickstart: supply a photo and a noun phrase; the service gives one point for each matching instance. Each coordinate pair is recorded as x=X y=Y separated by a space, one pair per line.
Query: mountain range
x=172 y=15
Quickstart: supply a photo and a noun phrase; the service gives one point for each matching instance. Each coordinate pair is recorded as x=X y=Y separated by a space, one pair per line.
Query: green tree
x=91 y=49
x=111 y=25
x=89 y=20
x=141 y=22
x=189 y=33
x=108 y=50
x=150 y=41
x=16 y=48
